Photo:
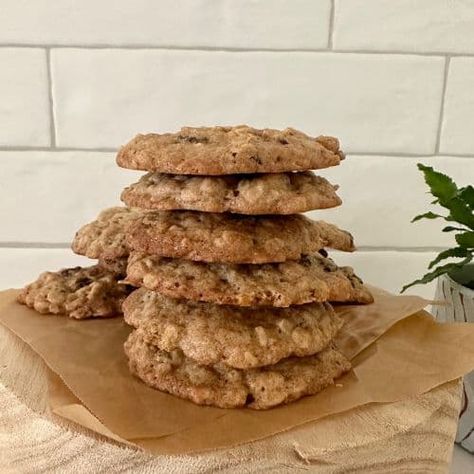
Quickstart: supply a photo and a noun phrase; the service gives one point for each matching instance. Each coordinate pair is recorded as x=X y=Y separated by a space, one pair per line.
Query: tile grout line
x=332 y=13
x=440 y=54
x=409 y=155
x=391 y=248
x=443 y=100
x=52 y=120
x=59 y=149
x=34 y=245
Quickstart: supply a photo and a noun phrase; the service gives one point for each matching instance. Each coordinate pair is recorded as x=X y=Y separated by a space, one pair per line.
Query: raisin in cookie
x=232 y=238
x=118 y=266
x=311 y=279
x=222 y=386
x=229 y=150
x=279 y=193
x=104 y=238
x=242 y=338
x=79 y=293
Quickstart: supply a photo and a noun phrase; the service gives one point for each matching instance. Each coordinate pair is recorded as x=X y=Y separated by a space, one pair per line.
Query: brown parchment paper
x=397 y=351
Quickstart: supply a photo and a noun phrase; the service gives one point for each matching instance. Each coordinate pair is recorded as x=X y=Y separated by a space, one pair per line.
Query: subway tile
x=433 y=26
x=381 y=194
x=19 y=266
x=457 y=132
x=299 y=24
x=390 y=270
x=47 y=196
x=24 y=102
x=374 y=103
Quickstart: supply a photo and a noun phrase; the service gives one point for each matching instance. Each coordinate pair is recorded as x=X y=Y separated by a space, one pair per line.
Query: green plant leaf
x=460 y=203
x=466 y=194
x=466 y=240
x=460 y=212
x=450 y=228
x=441 y=186
x=457 y=252
x=438 y=271
x=427 y=215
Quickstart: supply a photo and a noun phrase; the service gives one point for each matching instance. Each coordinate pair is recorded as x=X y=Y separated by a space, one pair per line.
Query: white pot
x=459 y=299
x=459 y=308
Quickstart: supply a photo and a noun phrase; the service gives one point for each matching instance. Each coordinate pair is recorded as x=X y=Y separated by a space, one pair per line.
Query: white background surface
x=392 y=79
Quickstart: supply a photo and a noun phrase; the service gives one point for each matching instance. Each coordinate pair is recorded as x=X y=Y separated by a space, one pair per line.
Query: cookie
x=229 y=150
x=310 y=279
x=104 y=238
x=224 y=387
x=231 y=238
x=79 y=293
x=117 y=266
x=279 y=193
x=242 y=338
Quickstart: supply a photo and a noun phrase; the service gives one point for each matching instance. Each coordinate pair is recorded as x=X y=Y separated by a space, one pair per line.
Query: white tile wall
x=457 y=131
x=382 y=75
x=24 y=265
x=393 y=79
x=390 y=269
x=47 y=195
x=381 y=195
x=24 y=105
x=373 y=102
x=440 y=26
x=299 y=24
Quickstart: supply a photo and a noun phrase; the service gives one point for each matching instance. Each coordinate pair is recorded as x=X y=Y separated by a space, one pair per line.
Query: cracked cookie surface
x=79 y=293
x=238 y=337
x=311 y=279
x=229 y=150
x=279 y=193
x=222 y=386
x=231 y=238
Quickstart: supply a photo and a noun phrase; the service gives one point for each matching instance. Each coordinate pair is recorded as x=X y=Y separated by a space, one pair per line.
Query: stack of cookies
x=234 y=285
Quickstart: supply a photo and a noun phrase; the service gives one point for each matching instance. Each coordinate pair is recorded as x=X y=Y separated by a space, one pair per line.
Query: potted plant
x=455 y=283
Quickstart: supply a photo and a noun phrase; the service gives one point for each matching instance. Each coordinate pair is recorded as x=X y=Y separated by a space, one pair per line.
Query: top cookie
x=277 y=193
x=104 y=238
x=230 y=238
x=229 y=150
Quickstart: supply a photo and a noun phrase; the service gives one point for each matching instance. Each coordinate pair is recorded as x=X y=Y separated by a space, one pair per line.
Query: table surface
x=374 y=435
